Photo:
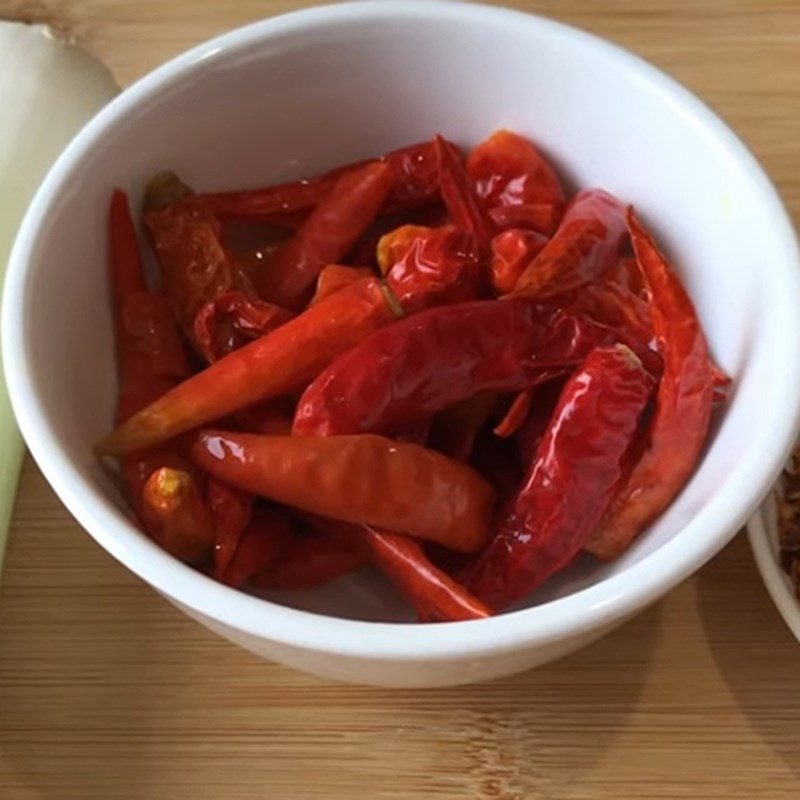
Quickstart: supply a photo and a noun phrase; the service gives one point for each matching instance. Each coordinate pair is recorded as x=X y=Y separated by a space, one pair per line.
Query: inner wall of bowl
x=300 y=103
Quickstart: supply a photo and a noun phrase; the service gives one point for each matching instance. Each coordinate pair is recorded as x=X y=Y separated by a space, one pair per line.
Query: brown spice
x=788 y=502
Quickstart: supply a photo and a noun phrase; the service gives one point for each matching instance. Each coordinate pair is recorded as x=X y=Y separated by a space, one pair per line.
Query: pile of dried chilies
x=436 y=365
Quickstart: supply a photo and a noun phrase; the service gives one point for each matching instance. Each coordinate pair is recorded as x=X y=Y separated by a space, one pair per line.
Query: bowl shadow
x=108 y=691
x=754 y=651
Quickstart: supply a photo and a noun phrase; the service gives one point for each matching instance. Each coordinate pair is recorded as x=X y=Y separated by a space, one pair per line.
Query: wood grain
x=108 y=693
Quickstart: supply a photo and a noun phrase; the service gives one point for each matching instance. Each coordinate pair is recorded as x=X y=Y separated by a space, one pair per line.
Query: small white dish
x=296 y=94
x=762 y=530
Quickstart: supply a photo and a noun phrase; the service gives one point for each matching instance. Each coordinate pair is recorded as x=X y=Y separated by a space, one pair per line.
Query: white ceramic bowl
x=300 y=93
x=762 y=529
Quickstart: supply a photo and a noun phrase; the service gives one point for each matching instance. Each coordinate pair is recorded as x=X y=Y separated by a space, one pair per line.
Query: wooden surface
x=108 y=693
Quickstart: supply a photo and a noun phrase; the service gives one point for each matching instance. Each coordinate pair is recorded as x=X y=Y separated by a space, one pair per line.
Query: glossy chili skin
x=329 y=232
x=363 y=479
x=679 y=425
x=429 y=361
x=425 y=267
x=571 y=480
x=433 y=593
x=175 y=514
x=515 y=183
x=586 y=244
x=283 y=361
x=512 y=252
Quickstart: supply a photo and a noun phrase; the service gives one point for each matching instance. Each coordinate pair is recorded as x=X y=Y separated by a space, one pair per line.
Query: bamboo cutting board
x=108 y=693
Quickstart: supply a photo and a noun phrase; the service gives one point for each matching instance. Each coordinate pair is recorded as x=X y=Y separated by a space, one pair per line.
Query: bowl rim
x=610 y=600
x=776 y=581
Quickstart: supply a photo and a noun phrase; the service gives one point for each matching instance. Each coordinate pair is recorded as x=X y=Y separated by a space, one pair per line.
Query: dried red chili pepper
x=232 y=320
x=431 y=592
x=175 y=515
x=512 y=252
x=363 y=479
x=427 y=362
x=265 y=541
x=231 y=510
x=335 y=277
x=328 y=233
x=462 y=203
x=586 y=244
x=187 y=240
x=150 y=356
x=515 y=416
x=679 y=425
x=415 y=185
x=435 y=595
x=283 y=361
x=425 y=267
x=571 y=480
x=510 y=174
x=151 y=360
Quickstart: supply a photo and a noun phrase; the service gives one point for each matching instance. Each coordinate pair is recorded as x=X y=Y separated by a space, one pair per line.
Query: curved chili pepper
x=679 y=425
x=571 y=480
x=231 y=510
x=462 y=203
x=512 y=252
x=430 y=591
x=328 y=233
x=427 y=362
x=283 y=361
x=150 y=355
x=428 y=266
x=187 y=240
x=175 y=514
x=416 y=177
x=265 y=541
x=434 y=594
x=509 y=173
x=335 y=277
x=151 y=360
x=586 y=244
x=415 y=185
x=233 y=319
x=515 y=416
x=364 y=479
